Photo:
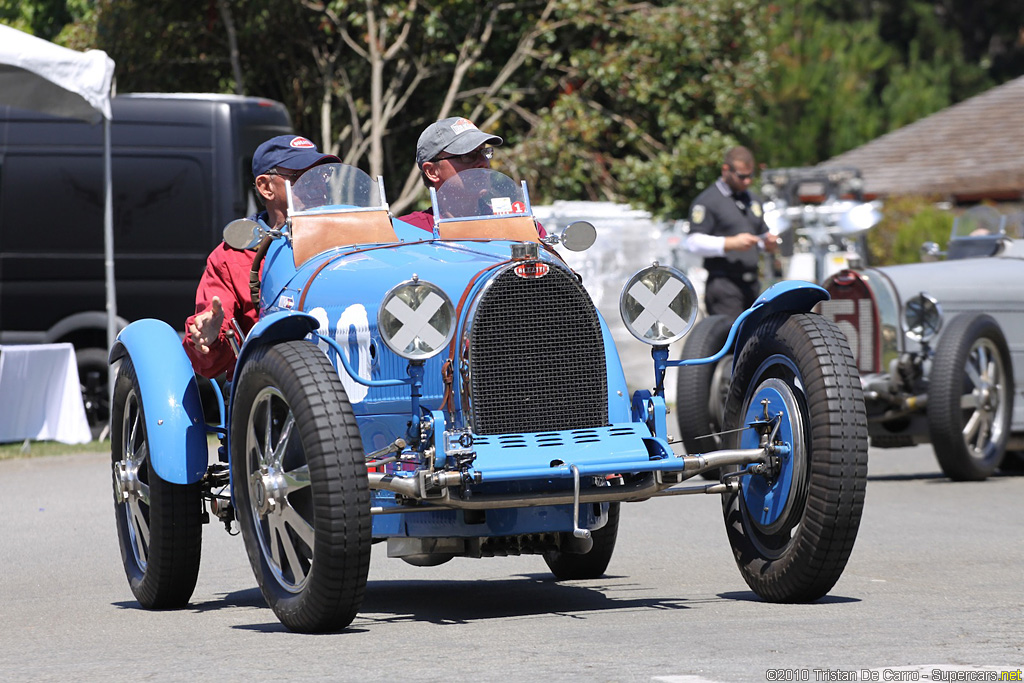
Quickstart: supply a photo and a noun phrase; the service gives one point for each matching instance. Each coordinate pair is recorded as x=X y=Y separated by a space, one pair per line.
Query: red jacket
x=226 y=276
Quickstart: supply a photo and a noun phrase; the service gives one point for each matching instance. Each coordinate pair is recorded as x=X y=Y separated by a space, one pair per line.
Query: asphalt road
x=935 y=581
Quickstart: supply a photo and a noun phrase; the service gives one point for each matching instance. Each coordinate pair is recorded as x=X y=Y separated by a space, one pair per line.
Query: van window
x=69 y=190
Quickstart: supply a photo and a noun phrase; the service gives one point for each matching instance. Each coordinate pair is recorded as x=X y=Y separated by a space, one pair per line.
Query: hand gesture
x=205 y=328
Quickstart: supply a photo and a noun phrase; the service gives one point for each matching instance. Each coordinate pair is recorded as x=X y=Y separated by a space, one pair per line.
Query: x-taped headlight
x=416 y=319
x=658 y=305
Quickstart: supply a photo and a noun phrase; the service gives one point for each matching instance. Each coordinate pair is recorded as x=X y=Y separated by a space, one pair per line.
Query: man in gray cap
x=445 y=148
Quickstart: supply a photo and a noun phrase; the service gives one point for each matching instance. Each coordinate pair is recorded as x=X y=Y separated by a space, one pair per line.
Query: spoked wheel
x=970 y=397
x=159 y=525
x=299 y=478
x=792 y=529
x=701 y=390
x=590 y=565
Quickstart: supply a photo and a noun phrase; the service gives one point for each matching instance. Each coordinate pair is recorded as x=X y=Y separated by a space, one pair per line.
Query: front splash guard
x=649 y=466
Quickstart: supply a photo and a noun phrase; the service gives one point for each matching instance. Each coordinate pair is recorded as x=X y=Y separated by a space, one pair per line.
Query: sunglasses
x=470 y=157
x=741 y=176
x=291 y=176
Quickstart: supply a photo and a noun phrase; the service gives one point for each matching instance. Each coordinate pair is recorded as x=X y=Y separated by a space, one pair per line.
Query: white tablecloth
x=40 y=396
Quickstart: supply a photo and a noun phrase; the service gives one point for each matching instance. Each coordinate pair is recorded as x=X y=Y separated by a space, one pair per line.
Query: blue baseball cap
x=293 y=152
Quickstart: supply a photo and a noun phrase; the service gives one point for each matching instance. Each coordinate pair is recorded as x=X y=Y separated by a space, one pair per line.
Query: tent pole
x=108 y=253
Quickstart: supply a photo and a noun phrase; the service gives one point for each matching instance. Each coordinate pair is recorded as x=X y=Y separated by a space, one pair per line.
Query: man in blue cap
x=223 y=292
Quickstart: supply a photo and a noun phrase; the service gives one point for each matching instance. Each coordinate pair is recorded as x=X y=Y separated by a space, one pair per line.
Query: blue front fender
x=169 y=395
x=276 y=327
x=789 y=295
x=271 y=329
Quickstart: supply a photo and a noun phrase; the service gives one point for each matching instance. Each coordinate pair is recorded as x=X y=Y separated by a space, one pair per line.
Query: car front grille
x=536 y=356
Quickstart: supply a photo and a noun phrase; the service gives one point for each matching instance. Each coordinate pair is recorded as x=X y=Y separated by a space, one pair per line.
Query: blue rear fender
x=173 y=411
x=793 y=296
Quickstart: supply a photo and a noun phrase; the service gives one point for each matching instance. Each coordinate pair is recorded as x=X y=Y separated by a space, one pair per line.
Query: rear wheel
x=159 y=524
x=590 y=565
x=300 y=483
x=792 y=530
x=970 y=397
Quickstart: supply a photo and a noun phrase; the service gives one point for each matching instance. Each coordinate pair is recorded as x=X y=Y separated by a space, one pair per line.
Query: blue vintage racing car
x=457 y=394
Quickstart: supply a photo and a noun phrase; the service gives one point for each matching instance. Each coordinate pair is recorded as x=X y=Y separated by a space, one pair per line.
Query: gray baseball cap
x=454 y=135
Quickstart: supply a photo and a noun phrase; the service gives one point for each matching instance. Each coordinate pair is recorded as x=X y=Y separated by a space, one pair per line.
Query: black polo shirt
x=717 y=211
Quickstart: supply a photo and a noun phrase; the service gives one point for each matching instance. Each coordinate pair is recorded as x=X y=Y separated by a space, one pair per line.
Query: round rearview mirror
x=930 y=252
x=922 y=318
x=243 y=234
x=578 y=236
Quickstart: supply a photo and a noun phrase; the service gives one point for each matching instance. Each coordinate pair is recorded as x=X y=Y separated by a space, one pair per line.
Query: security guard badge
x=755 y=208
x=697 y=213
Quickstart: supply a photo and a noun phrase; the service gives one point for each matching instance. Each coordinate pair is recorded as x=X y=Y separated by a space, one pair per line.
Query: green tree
x=647 y=98
x=596 y=99
x=42 y=18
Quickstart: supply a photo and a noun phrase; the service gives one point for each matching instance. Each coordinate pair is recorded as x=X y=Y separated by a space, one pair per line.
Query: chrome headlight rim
x=677 y=305
x=417 y=343
x=922 y=318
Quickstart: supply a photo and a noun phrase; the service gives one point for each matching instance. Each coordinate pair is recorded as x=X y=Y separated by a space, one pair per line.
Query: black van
x=181 y=171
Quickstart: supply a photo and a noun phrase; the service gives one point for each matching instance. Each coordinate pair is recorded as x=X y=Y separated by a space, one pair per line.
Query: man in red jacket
x=223 y=294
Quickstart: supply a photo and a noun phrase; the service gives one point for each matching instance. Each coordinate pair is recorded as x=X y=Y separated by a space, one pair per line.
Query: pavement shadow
x=465 y=602
x=751 y=596
x=462 y=602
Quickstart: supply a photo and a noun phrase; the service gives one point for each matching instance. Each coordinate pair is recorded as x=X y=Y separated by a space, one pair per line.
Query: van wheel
x=94 y=383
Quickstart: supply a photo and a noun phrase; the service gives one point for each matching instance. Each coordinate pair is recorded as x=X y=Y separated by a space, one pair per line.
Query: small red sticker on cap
x=302 y=142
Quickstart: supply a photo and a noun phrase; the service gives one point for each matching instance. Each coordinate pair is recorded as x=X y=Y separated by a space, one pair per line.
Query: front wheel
x=970 y=397
x=793 y=528
x=300 y=486
x=159 y=524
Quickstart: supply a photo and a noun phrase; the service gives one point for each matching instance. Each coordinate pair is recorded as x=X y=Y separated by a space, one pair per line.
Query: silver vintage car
x=940 y=345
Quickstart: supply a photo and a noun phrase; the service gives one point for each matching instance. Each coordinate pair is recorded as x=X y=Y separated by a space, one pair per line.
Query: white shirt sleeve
x=703 y=244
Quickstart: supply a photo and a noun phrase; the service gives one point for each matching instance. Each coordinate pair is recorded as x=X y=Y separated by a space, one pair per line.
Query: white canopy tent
x=38 y=75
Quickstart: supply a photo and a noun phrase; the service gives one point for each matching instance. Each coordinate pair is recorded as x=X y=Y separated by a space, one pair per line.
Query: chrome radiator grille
x=536 y=356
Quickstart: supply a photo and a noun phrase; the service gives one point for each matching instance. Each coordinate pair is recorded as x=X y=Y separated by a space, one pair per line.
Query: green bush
x=907 y=223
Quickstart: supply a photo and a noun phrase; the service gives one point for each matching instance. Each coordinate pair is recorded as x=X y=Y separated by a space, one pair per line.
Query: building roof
x=970 y=151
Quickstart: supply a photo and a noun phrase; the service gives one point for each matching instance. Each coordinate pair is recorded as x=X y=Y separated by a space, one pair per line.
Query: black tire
x=94 y=380
x=970 y=397
x=300 y=486
x=159 y=525
x=792 y=534
x=591 y=565
x=701 y=390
